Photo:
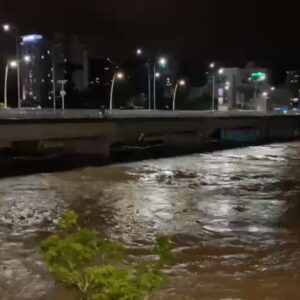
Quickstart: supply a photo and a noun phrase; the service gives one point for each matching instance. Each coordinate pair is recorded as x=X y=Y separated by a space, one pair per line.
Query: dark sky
x=197 y=31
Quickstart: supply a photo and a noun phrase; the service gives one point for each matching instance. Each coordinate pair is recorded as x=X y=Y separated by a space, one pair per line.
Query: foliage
x=100 y=268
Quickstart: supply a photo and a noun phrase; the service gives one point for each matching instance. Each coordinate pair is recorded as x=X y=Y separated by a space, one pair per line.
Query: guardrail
x=28 y=113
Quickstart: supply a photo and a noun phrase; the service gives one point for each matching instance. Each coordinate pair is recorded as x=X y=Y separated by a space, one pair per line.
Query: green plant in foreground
x=100 y=268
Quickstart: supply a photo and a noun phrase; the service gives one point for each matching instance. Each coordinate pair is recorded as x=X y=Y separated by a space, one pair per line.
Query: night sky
x=195 y=31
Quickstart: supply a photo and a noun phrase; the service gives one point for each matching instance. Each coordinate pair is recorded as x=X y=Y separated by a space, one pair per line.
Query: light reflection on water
x=235 y=213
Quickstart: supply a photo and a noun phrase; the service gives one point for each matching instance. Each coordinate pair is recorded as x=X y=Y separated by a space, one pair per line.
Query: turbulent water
x=235 y=213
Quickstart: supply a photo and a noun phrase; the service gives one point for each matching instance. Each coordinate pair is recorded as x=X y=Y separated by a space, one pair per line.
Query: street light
x=162 y=62
x=139 y=52
x=8 y=28
x=273 y=88
x=119 y=76
x=265 y=94
x=14 y=64
x=178 y=83
x=220 y=72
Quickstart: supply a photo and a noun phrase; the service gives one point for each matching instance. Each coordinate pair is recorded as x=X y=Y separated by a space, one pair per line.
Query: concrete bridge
x=88 y=132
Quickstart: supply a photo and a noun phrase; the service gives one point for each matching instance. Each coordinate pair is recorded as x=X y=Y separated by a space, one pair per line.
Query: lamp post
x=212 y=67
x=162 y=62
x=11 y=64
x=178 y=83
x=220 y=72
x=14 y=64
x=139 y=52
x=117 y=75
x=9 y=28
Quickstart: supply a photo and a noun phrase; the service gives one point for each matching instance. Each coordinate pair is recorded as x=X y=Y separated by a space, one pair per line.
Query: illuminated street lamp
x=13 y=64
x=178 y=83
x=212 y=65
x=152 y=74
x=162 y=62
x=6 y=27
x=118 y=76
x=140 y=52
x=265 y=94
x=213 y=72
x=9 y=28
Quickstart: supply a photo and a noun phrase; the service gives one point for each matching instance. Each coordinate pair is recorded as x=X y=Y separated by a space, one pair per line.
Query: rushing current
x=235 y=215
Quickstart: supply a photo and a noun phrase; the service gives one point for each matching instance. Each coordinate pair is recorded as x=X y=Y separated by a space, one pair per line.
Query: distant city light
x=212 y=65
x=272 y=88
x=27 y=58
x=139 y=51
x=31 y=38
x=265 y=94
x=221 y=71
x=157 y=75
x=163 y=61
x=6 y=27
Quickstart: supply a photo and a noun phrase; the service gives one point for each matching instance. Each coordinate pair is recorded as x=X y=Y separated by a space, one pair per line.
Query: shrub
x=100 y=269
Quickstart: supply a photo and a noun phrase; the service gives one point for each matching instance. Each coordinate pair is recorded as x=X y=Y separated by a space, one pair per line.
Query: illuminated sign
x=31 y=38
x=259 y=75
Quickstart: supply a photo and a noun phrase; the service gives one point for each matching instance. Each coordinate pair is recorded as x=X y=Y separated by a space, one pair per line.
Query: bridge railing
x=34 y=113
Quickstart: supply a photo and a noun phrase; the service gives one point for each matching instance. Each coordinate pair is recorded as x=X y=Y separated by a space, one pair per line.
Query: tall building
x=244 y=89
x=60 y=58
x=293 y=83
x=36 y=76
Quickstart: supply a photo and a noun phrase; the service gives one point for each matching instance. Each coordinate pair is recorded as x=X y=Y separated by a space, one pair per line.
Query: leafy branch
x=99 y=268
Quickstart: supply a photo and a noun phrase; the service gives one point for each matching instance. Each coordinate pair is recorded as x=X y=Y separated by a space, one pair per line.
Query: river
x=235 y=215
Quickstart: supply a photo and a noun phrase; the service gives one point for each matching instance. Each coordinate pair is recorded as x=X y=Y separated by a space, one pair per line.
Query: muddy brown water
x=235 y=214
